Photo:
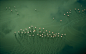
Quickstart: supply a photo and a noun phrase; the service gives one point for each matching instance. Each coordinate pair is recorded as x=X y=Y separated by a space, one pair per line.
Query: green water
x=74 y=26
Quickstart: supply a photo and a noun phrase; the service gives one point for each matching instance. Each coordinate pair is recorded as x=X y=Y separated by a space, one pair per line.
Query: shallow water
x=74 y=26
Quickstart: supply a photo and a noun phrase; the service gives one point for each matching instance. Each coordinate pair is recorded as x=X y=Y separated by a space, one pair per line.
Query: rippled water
x=73 y=26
